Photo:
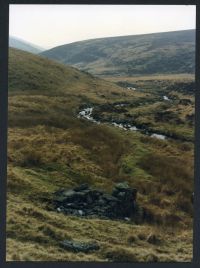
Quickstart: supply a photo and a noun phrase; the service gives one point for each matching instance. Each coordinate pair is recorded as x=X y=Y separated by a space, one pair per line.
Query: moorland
x=50 y=148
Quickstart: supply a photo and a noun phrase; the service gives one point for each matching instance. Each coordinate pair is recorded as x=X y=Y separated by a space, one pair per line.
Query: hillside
x=169 y=52
x=24 y=45
x=51 y=148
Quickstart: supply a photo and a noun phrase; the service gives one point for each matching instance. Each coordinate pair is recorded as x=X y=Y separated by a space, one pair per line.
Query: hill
x=169 y=52
x=51 y=148
x=18 y=43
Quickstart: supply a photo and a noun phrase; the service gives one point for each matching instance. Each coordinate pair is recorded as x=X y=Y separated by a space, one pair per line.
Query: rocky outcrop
x=85 y=201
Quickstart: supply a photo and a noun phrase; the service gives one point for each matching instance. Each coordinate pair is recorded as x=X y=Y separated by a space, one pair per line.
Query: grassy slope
x=49 y=148
x=171 y=52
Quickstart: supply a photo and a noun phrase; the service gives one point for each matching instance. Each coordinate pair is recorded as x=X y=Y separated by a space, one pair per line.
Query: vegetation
x=49 y=148
x=160 y=53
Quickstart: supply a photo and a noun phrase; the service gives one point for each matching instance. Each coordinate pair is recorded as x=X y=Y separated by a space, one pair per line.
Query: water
x=119 y=125
x=87 y=114
x=166 y=98
x=120 y=105
x=158 y=136
x=132 y=88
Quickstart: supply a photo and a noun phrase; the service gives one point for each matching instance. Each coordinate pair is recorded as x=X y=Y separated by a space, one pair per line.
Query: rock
x=89 y=200
x=60 y=196
x=122 y=186
x=84 y=201
x=68 y=193
x=109 y=198
x=102 y=202
x=76 y=246
x=126 y=197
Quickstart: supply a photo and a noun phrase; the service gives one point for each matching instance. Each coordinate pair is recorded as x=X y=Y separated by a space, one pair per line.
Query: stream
x=87 y=114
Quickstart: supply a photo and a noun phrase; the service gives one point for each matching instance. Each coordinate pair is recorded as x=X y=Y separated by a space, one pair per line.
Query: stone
x=109 y=198
x=77 y=246
x=68 y=193
x=89 y=200
x=85 y=201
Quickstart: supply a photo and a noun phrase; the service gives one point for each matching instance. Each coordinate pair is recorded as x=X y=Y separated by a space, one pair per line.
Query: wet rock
x=77 y=246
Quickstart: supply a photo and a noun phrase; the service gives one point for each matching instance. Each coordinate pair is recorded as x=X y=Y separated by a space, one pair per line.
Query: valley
x=68 y=128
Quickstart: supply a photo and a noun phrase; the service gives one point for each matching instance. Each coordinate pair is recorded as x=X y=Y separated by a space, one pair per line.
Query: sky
x=53 y=25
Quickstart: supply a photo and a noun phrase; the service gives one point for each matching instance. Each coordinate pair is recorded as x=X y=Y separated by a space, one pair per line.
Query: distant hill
x=169 y=52
x=24 y=45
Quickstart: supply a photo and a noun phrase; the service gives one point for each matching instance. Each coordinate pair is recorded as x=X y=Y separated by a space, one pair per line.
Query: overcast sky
x=52 y=25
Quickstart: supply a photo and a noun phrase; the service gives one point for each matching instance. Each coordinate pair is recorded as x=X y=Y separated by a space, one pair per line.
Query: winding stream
x=87 y=114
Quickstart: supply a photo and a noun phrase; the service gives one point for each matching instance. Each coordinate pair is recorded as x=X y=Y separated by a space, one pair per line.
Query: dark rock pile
x=84 y=201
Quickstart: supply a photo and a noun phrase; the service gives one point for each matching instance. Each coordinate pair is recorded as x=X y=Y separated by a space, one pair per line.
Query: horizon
x=36 y=23
x=38 y=45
